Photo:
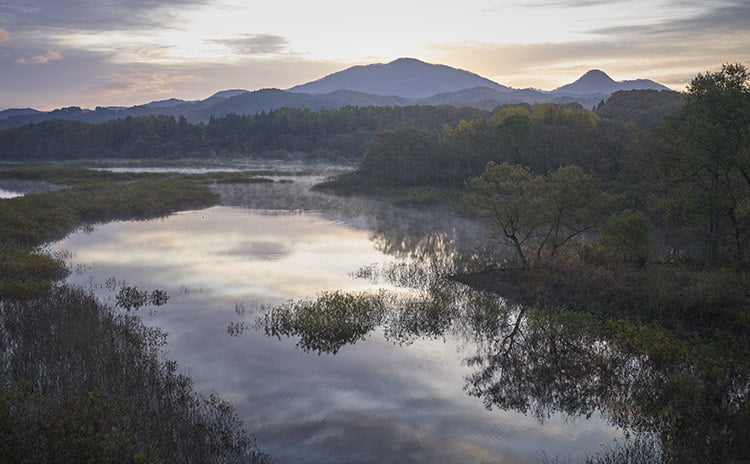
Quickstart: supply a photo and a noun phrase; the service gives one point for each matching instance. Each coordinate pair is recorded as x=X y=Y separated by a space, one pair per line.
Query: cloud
x=256 y=44
x=91 y=14
x=670 y=51
x=137 y=83
x=728 y=18
x=4 y=36
x=51 y=55
x=568 y=3
x=550 y=65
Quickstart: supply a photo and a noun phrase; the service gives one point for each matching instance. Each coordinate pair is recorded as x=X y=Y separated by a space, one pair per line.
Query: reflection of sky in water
x=247 y=165
x=234 y=252
x=141 y=169
x=373 y=402
x=12 y=188
x=9 y=193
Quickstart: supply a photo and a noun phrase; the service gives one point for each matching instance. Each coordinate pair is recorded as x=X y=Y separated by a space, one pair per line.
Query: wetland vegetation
x=630 y=252
x=83 y=381
x=625 y=290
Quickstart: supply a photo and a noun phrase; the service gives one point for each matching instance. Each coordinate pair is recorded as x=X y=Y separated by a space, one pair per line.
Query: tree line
x=541 y=137
x=686 y=173
x=331 y=133
x=687 y=176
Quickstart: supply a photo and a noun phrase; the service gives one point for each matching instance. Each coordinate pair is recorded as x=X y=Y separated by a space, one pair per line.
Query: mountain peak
x=407 y=60
x=597 y=81
x=593 y=81
x=596 y=75
x=403 y=77
x=225 y=94
x=165 y=103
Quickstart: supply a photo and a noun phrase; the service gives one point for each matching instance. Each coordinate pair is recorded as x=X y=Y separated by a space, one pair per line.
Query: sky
x=88 y=53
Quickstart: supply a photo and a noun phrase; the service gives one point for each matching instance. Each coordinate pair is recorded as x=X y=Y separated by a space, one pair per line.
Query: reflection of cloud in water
x=258 y=250
x=293 y=254
x=385 y=401
x=373 y=402
x=4 y=194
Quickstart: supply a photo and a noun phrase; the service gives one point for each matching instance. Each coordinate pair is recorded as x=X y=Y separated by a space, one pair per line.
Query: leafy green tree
x=561 y=135
x=572 y=203
x=547 y=212
x=509 y=195
x=705 y=156
x=402 y=156
x=642 y=107
x=626 y=236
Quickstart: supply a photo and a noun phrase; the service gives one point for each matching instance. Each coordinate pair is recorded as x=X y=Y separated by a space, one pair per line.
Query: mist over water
x=376 y=400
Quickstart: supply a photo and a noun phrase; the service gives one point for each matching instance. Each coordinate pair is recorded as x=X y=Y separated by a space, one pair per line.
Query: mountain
x=165 y=103
x=485 y=98
x=224 y=95
x=598 y=82
x=13 y=112
x=404 y=77
x=405 y=81
x=272 y=99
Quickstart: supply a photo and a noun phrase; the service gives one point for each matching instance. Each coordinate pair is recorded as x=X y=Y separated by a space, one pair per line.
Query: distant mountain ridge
x=9 y=113
x=596 y=81
x=404 y=77
x=405 y=81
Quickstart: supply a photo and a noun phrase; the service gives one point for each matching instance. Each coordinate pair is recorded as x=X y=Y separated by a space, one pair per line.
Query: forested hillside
x=687 y=175
x=339 y=133
x=643 y=107
x=331 y=134
x=678 y=160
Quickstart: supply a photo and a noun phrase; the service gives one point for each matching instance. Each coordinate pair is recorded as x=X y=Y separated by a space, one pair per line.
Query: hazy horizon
x=104 y=53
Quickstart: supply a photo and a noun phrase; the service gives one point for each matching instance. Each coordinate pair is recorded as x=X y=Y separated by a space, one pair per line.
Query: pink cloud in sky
x=138 y=83
x=4 y=35
x=51 y=55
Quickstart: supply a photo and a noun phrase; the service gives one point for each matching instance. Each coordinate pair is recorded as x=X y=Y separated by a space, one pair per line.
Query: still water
x=373 y=401
x=18 y=188
x=5 y=193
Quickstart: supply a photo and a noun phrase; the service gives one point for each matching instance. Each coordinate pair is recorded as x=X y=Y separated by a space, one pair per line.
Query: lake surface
x=276 y=166
x=18 y=188
x=373 y=401
x=5 y=193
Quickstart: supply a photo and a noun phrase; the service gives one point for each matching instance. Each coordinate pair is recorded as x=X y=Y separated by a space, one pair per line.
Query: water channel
x=377 y=400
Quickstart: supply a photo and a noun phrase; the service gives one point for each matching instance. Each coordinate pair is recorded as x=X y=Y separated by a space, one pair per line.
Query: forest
x=335 y=134
x=545 y=174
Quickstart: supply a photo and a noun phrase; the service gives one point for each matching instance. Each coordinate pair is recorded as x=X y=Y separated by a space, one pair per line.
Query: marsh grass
x=81 y=381
x=686 y=299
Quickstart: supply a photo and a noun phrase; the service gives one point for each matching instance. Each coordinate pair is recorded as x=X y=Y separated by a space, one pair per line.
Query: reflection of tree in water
x=692 y=394
x=437 y=238
x=641 y=378
x=326 y=324
x=397 y=231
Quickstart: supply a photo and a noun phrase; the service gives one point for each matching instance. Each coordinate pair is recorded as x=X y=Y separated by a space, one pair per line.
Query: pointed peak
x=593 y=81
x=597 y=81
x=596 y=75
x=407 y=60
x=595 y=72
